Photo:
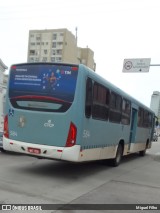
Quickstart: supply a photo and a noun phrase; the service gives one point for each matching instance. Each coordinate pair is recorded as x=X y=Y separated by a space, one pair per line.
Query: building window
x=56 y=52
x=59 y=43
x=53 y=52
x=59 y=52
x=53 y=44
x=31 y=59
x=37 y=52
x=54 y=36
x=38 y=38
x=32 y=52
x=38 y=43
x=45 y=52
x=58 y=59
x=32 y=35
x=53 y=59
x=44 y=59
x=36 y=59
x=32 y=43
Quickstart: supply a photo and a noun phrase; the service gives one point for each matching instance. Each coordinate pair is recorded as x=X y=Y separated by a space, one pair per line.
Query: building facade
x=86 y=57
x=155 y=103
x=57 y=45
x=3 y=86
x=3 y=78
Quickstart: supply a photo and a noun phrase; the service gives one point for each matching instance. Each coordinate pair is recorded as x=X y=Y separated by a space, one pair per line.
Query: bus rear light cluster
x=72 y=134
x=6 y=130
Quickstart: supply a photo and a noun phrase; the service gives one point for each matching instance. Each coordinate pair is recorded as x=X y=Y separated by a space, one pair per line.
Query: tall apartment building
x=155 y=103
x=57 y=45
x=86 y=56
x=3 y=86
x=3 y=77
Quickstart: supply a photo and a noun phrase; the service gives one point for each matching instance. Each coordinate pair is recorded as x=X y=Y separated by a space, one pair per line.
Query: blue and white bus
x=68 y=112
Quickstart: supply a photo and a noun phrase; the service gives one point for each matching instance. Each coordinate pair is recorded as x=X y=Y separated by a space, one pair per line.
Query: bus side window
x=146 y=119
x=140 y=117
x=126 y=110
x=115 y=108
x=101 y=95
x=88 y=103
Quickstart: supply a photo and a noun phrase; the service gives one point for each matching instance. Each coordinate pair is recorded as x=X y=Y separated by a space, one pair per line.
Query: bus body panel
x=35 y=127
x=102 y=134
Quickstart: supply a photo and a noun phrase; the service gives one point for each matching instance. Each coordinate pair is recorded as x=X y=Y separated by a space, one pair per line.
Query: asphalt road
x=27 y=180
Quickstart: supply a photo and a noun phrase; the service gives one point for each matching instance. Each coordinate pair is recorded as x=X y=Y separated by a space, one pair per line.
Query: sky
x=114 y=29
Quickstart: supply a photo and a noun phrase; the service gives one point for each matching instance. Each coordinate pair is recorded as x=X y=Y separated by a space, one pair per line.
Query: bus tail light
x=6 y=130
x=72 y=134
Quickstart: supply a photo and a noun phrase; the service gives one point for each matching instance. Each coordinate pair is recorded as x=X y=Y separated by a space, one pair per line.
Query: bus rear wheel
x=143 y=152
x=2 y=150
x=116 y=161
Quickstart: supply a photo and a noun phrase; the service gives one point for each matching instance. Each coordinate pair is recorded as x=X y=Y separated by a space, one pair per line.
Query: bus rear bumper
x=43 y=151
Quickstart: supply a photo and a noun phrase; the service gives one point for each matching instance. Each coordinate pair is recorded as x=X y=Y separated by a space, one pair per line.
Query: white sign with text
x=136 y=65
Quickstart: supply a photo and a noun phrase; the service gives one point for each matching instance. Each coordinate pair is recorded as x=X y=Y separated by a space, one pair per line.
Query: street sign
x=136 y=65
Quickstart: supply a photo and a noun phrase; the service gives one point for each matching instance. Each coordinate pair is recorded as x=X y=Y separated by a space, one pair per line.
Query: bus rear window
x=42 y=87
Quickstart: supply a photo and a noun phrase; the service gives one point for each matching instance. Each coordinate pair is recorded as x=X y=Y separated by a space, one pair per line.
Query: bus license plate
x=34 y=150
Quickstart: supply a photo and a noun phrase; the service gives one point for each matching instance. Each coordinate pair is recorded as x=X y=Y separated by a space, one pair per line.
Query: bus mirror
x=157 y=123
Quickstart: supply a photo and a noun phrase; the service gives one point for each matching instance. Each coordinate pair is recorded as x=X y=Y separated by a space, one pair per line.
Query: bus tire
x=143 y=152
x=2 y=150
x=116 y=161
